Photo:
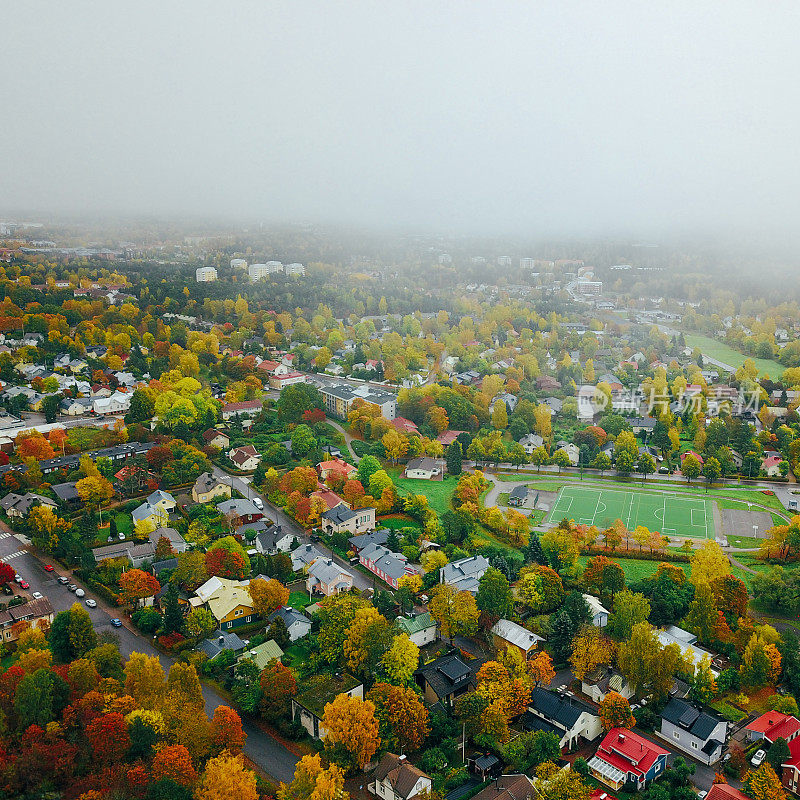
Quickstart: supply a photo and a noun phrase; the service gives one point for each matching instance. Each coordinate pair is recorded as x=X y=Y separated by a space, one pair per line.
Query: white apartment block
x=295 y=269
x=205 y=274
x=259 y=271
x=527 y=263
x=238 y=263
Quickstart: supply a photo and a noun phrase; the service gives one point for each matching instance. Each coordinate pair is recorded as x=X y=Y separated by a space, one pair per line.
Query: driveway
x=264 y=750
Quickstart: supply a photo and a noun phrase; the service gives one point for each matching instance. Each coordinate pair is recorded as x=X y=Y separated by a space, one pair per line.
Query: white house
x=205 y=274
x=297 y=624
x=117 y=403
x=598 y=611
x=424 y=468
x=396 y=779
x=421 y=628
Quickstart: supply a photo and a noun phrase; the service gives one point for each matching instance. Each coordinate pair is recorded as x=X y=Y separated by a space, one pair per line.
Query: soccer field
x=669 y=514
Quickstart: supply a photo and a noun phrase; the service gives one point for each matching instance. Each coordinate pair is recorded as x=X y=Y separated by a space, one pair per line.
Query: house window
x=694 y=745
x=676 y=735
x=238 y=612
x=247 y=619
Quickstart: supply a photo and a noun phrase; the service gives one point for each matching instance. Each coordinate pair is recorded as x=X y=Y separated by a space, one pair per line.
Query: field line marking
x=596 y=506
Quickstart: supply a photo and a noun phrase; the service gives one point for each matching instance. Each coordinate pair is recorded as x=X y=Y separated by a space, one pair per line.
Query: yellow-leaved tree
x=352 y=737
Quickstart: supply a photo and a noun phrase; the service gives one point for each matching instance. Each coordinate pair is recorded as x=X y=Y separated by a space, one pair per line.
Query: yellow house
x=206 y=488
x=229 y=602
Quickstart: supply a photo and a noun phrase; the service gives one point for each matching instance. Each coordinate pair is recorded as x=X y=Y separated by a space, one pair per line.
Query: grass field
x=635 y=568
x=437 y=492
x=672 y=515
x=720 y=351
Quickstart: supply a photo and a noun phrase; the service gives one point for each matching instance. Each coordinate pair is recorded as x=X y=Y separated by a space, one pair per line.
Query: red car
x=48 y=567
x=25 y=584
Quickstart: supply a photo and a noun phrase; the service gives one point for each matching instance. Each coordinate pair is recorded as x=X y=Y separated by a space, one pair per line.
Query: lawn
x=635 y=569
x=396 y=523
x=299 y=600
x=672 y=515
x=720 y=351
x=745 y=541
x=437 y=492
x=124 y=523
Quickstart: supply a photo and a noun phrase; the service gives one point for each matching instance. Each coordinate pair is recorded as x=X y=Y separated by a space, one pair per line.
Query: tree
x=645 y=663
x=590 y=649
x=312 y=781
x=278 y=687
x=226 y=731
x=94 y=490
x=691 y=468
x=335 y=615
x=296 y=399
x=136 y=584
x=226 y=776
x=601 y=461
x=764 y=784
x=352 y=730
x=367 y=640
x=174 y=762
x=494 y=594
x=703 y=617
x=455 y=611
x=144 y=680
x=402 y=717
x=454 y=458
x=191 y=570
x=268 y=596
x=401 y=660
x=540 y=458
x=7 y=572
x=704 y=687
x=615 y=712
x=303 y=441
x=367 y=467
x=712 y=470
x=529 y=590
x=200 y=623
x=708 y=563
x=499 y=416
x=561 y=548
x=496 y=684
x=561 y=459
x=646 y=465
x=630 y=608
x=779 y=754
x=540 y=668
x=227 y=559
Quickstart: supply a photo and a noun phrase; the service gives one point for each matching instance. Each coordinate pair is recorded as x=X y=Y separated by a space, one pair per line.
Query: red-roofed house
x=601 y=794
x=627 y=759
x=268 y=366
x=326 y=468
x=773 y=725
x=403 y=425
x=331 y=499
x=284 y=375
x=722 y=791
x=791 y=768
x=448 y=437
x=692 y=453
x=771 y=465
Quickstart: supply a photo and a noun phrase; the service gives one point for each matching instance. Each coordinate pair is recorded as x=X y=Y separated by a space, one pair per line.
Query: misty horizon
x=538 y=121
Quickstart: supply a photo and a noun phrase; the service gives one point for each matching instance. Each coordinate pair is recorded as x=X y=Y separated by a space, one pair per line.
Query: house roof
x=723 y=791
x=561 y=709
x=263 y=653
x=401 y=775
x=326 y=570
x=339 y=514
x=206 y=482
x=774 y=725
x=690 y=718
x=227 y=598
x=507 y=787
x=424 y=463
x=289 y=615
x=446 y=674
x=391 y=564
x=322 y=692
x=306 y=553
x=626 y=751
x=472 y=567
x=219 y=641
x=362 y=540
x=417 y=623
x=237 y=507
x=516 y=634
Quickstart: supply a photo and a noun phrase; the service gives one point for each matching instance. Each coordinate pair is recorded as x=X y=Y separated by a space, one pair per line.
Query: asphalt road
x=268 y=753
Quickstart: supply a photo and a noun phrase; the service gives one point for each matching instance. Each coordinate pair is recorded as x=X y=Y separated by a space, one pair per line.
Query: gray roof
x=391 y=564
x=66 y=491
x=688 y=717
x=380 y=536
x=424 y=463
x=560 y=709
x=269 y=538
x=472 y=567
x=447 y=674
x=516 y=634
x=339 y=514
x=219 y=641
x=206 y=482
x=238 y=507
x=289 y=615
x=306 y=553
x=326 y=570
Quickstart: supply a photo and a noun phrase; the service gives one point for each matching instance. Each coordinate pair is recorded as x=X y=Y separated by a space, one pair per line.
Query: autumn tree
x=763 y=784
x=540 y=669
x=709 y=563
x=402 y=717
x=313 y=781
x=226 y=731
x=455 y=611
x=495 y=683
x=352 y=737
x=368 y=637
x=227 y=559
x=401 y=660
x=136 y=584
x=226 y=776
x=268 y=596
x=590 y=649
x=174 y=762
x=615 y=712
x=108 y=736
x=145 y=680
x=278 y=687
x=630 y=608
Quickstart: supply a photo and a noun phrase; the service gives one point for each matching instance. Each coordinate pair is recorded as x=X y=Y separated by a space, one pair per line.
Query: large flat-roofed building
x=339 y=399
x=205 y=274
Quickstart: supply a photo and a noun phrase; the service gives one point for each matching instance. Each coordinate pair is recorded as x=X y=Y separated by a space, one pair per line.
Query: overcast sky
x=530 y=117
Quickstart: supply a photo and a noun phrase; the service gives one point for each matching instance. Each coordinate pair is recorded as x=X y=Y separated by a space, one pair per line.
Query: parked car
x=72 y=587
x=79 y=593
x=63 y=580
x=116 y=622
x=24 y=584
x=258 y=503
x=758 y=758
x=91 y=603
x=48 y=567
x=37 y=595
x=121 y=536
x=18 y=579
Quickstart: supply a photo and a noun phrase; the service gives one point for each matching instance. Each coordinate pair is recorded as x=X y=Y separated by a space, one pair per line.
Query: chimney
x=222 y=640
x=401 y=758
x=622 y=737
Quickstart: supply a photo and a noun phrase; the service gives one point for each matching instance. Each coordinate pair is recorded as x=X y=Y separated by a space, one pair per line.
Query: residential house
x=176 y=541
x=273 y=539
x=297 y=623
x=308 y=707
x=137 y=554
x=335 y=466
x=207 y=487
x=245 y=458
x=20 y=505
x=155 y=509
x=388 y=566
x=520 y=497
x=509 y=400
x=696 y=732
x=464 y=574
x=598 y=611
x=485 y=766
x=672 y=634
x=773 y=725
x=305 y=555
x=420 y=628
x=572 y=451
x=790 y=776
x=448 y=437
x=67 y=493
x=246 y=408
x=326 y=577
x=507 y=634
x=569 y=718
x=446 y=679
x=228 y=601
x=214 y=438
x=342 y=519
x=602 y=680
x=262 y=654
x=37 y=613
x=339 y=399
x=424 y=468
x=642 y=424
x=626 y=759
x=508 y=787
x=395 y=778
x=239 y=511
x=771 y=466
x=406 y=426
x=118 y=403
x=219 y=641
x=530 y=442
x=75 y=406
x=723 y=791
x=362 y=540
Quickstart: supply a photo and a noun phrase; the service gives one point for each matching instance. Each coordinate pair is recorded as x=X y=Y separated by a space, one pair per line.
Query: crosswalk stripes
x=5 y=535
x=13 y=555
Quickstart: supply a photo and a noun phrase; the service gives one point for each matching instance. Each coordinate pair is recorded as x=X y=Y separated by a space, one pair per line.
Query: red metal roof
x=774 y=725
x=629 y=752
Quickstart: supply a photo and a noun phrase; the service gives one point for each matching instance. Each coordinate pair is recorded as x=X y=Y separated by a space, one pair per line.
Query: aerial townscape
x=399 y=401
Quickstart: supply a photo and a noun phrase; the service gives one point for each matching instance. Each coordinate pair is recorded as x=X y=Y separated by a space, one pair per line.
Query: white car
x=758 y=758
x=37 y=595
x=91 y=603
x=258 y=503
x=79 y=593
